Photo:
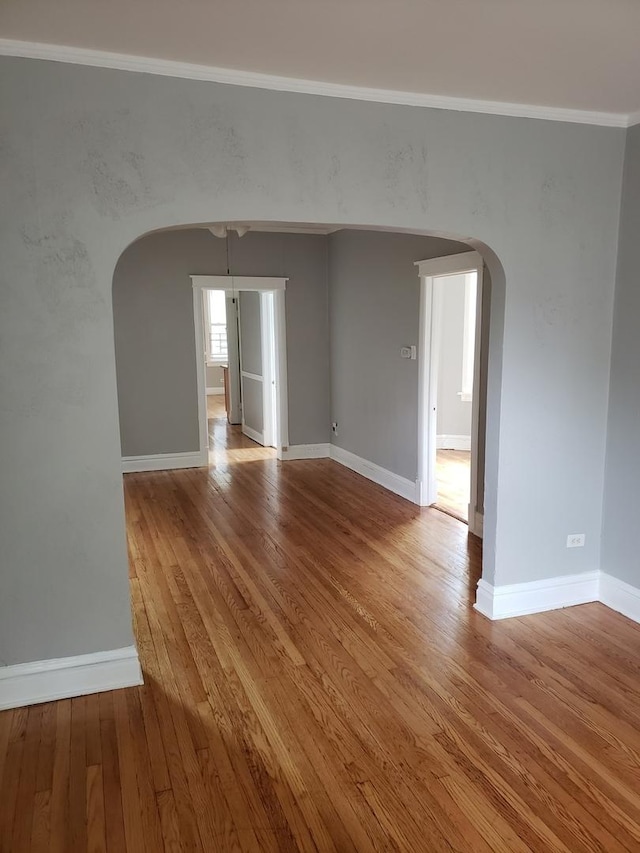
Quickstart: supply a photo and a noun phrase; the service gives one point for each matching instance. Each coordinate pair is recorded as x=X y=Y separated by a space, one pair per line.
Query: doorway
x=449 y=389
x=252 y=356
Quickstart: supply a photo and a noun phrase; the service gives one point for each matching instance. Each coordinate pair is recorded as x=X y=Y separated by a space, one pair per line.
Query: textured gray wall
x=619 y=541
x=374 y=298
x=454 y=414
x=154 y=335
x=93 y=158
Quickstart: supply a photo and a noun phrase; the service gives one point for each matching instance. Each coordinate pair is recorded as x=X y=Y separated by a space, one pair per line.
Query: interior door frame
x=236 y=284
x=428 y=363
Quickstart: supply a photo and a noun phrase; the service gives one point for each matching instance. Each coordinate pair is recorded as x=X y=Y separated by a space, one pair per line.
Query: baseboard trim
x=620 y=596
x=476 y=522
x=215 y=389
x=252 y=434
x=453 y=442
x=61 y=678
x=393 y=482
x=520 y=599
x=165 y=461
x=306 y=451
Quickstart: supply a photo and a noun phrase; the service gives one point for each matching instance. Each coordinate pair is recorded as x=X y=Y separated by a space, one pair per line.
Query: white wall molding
x=253 y=434
x=476 y=521
x=620 y=596
x=60 y=678
x=306 y=451
x=520 y=599
x=501 y=602
x=165 y=461
x=214 y=389
x=453 y=442
x=393 y=482
x=191 y=71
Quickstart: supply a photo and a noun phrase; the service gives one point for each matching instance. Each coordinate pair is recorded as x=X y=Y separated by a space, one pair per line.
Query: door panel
x=251 y=368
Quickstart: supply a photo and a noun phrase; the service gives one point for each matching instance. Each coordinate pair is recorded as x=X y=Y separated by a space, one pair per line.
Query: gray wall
x=374 y=299
x=620 y=540
x=454 y=414
x=93 y=158
x=154 y=335
x=214 y=378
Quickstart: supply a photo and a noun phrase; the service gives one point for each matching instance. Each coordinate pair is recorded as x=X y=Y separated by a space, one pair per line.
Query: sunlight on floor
x=453 y=469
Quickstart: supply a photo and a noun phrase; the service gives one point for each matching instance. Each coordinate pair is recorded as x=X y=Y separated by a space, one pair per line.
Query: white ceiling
x=572 y=54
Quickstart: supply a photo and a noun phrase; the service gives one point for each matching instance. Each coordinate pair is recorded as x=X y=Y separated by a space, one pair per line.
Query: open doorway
x=240 y=329
x=449 y=362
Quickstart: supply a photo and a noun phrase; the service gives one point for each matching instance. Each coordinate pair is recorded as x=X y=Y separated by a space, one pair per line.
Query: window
x=469 y=339
x=216 y=326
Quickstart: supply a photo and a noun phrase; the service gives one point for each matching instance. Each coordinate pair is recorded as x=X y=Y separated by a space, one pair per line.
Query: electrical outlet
x=334 y=427
x=405 y=352
x=575 y=540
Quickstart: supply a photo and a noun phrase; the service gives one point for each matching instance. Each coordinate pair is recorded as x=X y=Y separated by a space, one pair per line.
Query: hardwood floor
x=316 y=679
x=453 y=470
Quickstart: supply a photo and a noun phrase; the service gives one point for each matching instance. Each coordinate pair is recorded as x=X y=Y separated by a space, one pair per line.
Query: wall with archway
x=94 y=158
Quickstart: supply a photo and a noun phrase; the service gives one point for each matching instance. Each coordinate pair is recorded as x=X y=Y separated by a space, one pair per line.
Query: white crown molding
x=61 y=678
x=190 y=71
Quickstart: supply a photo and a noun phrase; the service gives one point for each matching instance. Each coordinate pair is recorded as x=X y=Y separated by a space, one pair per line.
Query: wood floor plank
x=316 y=679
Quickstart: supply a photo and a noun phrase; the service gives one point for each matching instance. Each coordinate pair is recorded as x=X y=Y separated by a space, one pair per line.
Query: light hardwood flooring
x=453 y=469
x=316 y=679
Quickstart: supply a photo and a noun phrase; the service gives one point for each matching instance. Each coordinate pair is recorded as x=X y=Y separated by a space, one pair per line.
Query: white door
x=257 y=366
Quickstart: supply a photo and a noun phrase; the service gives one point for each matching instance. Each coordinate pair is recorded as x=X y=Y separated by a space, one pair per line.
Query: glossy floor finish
x=316 y=679
x=453 y=474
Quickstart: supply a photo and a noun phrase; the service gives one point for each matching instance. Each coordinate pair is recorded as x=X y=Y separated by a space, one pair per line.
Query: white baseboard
x=165 y=461
x=519 y=599
x=253 y=434
x=453 y=442
x=215 y=389
x=394 y=482
x=620 y=596
x=306 y=451
x=62 y=678
x=476 y=522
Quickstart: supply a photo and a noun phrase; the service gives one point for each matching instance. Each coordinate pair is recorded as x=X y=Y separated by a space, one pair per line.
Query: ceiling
x=570 y=54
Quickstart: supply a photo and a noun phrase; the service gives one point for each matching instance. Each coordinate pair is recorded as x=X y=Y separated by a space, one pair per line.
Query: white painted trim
x=61 y=678
x=393 y=482
x=453 y=442
x=431 y=271
x=216 y=389
x=255 y=80
x=253 y=434
x=633 y=119
x=449 y=264
x=475 y=522
x=520 y=599
x=306 y=451
x=256 y=377
x=165 y=461
x=553 y=593
x=234 y=283
x=620 y=596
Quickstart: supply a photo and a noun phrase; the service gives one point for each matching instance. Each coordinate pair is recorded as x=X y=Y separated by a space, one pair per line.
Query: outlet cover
x=575 y=540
